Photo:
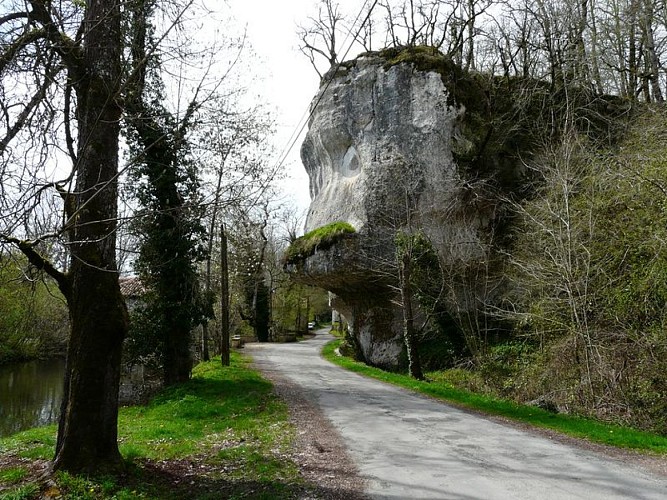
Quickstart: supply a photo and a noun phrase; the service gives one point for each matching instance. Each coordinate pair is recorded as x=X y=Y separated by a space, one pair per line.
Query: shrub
x=589 y=268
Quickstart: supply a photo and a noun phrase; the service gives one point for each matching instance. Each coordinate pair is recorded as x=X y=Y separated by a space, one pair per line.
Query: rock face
x=372 y=127
x=379 y=156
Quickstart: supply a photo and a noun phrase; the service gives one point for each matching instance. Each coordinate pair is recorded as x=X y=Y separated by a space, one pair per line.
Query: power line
x=307 y=115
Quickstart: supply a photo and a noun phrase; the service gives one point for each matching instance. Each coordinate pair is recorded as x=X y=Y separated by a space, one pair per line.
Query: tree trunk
x=409 y=334
x=205 y=356
x=307 y=314
x=595 y=55
x=177 y=357
x=470 y=56
x=224 y=299
x=651 y=55
x=223 y=260
x=633 y=56
x=261 y=294
x=87 y=434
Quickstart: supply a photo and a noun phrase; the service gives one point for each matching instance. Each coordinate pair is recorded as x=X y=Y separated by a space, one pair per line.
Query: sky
x=290 y=80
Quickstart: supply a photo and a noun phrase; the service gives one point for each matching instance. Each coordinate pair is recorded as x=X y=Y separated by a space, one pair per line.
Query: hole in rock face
x=350 y=164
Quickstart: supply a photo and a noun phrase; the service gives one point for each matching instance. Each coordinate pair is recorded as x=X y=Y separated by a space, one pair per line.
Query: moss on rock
x=320 y=238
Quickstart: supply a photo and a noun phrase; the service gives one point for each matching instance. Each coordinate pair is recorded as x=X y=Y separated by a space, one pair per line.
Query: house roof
x=131 y=286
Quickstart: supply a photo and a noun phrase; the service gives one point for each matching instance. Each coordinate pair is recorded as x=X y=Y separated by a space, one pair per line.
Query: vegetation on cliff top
x=320 y=238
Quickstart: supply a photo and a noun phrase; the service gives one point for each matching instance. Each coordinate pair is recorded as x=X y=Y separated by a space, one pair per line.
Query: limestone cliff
x=379 y=153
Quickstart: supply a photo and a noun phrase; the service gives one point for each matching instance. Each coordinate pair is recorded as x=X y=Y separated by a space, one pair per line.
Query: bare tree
x=411 y=23
x=248 y=249
x=319 y=35
x=365 y=36
x=232 y=143
x=611 y=46
x=554 y=264
x=405 y=259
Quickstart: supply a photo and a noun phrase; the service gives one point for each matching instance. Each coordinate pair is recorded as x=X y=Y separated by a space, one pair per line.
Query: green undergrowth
x=224 y=434
x=592 y=430
x=320 y=238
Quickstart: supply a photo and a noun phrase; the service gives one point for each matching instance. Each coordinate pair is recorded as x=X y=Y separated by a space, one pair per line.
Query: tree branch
x=19 y=43
x=41 y=263
x=68 y=126
x=13 y=16
x=67 y=48
x=32 y=104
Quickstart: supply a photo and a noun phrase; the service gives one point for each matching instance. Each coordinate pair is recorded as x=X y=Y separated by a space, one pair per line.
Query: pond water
x=30 y=394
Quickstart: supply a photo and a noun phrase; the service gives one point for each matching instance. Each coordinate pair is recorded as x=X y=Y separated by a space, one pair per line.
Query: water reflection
x=30 y=394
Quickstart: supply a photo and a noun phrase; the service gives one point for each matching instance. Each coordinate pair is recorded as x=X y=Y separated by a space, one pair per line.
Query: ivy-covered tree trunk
x=170 y=228
x=87 y=435
x=176 y=354
x=262 y=313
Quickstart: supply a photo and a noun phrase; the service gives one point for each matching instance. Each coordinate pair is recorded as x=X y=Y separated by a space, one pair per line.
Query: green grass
x=13 y=474
x=592 y=430
x=20 y=493
x=216 y=405
x=37 y=443
x=224 y=431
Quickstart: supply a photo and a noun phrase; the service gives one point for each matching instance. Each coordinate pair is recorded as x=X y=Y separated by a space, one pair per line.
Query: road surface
x=407 y=446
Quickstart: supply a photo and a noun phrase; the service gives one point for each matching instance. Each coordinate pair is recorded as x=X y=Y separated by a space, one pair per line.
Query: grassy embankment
x=221 y=435
x=592 y=430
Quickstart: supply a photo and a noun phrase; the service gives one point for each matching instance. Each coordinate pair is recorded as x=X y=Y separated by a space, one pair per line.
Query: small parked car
x=311 y=325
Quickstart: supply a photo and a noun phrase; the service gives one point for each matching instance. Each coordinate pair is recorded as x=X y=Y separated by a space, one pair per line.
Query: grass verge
x=579 y=427
x=224 y=434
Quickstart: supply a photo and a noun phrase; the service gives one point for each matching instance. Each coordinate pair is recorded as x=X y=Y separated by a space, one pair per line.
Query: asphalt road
x=410 y=447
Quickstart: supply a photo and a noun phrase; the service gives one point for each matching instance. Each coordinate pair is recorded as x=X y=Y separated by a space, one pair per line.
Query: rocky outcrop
x=363 y=293
x=379 y=153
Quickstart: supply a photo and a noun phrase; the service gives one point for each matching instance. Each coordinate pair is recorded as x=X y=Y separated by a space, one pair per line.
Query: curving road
x=410 y=447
